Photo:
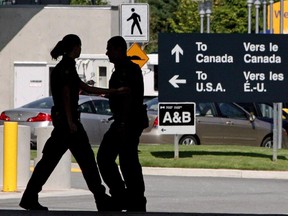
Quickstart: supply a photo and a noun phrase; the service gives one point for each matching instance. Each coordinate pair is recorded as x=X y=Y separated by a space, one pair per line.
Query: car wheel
x=267 y=143
x=188 y=140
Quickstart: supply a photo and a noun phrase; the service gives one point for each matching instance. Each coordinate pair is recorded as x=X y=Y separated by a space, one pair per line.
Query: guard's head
x=116 y=49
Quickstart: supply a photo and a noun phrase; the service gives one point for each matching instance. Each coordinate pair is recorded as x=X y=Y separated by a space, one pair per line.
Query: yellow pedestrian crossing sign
x=137 y=55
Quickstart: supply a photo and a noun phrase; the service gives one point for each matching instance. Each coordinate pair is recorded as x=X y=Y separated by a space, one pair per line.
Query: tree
x=230 y=16
x=186 y=18
x=160 y=13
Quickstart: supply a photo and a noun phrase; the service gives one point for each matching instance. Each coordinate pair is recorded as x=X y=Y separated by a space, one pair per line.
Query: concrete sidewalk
x=188 y=172
x=147 y=171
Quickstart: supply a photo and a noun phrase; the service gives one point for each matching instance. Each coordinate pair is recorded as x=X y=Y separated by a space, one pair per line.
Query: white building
x=28 y=34
x=118 y=2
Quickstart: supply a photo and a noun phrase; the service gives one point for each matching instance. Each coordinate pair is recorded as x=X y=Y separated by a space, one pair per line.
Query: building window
x=102 y=71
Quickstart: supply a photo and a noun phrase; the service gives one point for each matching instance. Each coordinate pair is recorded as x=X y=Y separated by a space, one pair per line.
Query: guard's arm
x=99 y=91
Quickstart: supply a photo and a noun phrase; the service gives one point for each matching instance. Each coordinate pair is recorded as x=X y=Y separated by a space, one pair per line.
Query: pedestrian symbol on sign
x=136 y=19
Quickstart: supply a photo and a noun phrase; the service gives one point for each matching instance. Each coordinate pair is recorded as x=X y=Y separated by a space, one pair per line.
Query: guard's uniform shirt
x=65 y=74
x=126 y=107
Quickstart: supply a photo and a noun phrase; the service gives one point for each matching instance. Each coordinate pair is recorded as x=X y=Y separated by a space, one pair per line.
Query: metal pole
x=275 y=107
x=271 y=16
x=249 y=3
x=208 y=23
x=202 y=23
x=208 y=10
x=257 y=6
x=280 y=104
x=281 y=16
x=201 y=11
x=176 y=146
x=264 y=16
x=279 y=125
x=275 y=137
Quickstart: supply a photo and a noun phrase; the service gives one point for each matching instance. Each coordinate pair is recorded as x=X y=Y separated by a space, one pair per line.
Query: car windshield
x=44 y=103
x=231 y=111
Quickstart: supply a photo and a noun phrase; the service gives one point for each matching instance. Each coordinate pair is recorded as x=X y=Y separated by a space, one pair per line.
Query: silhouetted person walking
x=68 y=132
x=122 y=138
x=136 y=19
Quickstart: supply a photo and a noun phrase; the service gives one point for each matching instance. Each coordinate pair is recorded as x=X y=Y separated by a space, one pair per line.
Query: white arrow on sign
x=177 y=50
x=175 y=81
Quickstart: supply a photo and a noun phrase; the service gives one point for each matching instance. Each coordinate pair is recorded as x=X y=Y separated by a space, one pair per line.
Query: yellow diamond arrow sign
x=137 y=55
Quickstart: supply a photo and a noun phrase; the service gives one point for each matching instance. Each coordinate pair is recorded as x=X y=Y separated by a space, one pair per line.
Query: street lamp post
x=249 y=4
x=271 y=16
x=208 y=11
x=264 y=15
x=201 y=11
x=204 y=7
x=257 y=6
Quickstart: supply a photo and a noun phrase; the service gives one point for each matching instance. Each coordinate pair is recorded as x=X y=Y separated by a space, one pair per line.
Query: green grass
x=213 y=157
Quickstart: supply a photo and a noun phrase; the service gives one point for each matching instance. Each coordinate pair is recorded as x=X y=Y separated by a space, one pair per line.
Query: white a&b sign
x=176 y=118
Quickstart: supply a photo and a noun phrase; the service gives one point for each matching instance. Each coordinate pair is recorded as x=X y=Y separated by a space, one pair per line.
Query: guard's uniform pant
x=122 y=140
x=59 y=142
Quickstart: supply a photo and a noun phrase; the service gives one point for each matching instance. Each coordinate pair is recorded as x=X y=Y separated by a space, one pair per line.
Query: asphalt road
x=178 y=195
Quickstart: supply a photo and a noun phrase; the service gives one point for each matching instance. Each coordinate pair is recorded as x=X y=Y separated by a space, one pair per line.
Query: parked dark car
x=264 y=111
x=95 y=112
x=217 y=124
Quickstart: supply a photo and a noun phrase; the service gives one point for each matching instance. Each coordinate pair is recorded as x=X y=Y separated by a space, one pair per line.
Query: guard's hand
x=123 y=90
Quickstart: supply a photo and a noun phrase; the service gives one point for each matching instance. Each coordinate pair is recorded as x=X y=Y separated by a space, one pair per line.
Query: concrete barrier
x=23 y=167
x=60 y=179
x=23 y=156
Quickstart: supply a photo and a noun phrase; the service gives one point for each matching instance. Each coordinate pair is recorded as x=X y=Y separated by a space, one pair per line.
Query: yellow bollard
x=10 y=137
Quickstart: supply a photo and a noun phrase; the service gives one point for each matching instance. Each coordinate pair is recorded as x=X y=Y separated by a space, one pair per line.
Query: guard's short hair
x=118 y=42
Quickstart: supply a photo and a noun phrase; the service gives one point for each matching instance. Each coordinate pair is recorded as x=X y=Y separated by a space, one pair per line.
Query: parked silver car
x=94 y=110
x=216 y=124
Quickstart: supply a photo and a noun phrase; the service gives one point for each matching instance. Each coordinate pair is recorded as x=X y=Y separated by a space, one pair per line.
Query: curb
x=188 y=172
x=225 y=173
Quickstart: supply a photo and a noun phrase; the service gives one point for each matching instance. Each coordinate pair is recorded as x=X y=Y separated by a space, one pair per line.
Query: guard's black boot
x=119 y=203
x=104 y=203
x=30 y=205
x=30 y=202
x=137 y=205
x=119 y=200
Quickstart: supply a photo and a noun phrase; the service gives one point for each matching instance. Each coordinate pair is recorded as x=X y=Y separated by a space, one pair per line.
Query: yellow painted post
x=10 y=156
